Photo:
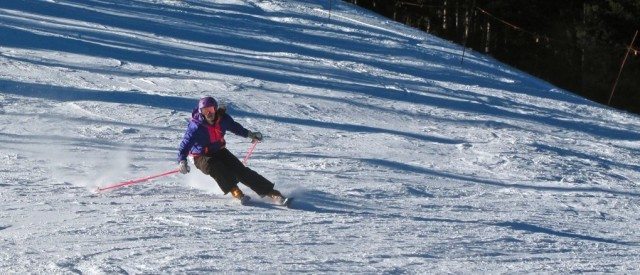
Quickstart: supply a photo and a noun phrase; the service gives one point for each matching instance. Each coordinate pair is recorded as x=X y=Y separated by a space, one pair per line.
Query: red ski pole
x=125 y=183
x=246 y=158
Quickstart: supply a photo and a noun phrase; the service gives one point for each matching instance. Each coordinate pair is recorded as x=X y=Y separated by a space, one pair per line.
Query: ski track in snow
x=401 y=159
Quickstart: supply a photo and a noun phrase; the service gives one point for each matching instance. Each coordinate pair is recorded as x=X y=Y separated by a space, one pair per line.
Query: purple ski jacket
x=202 y=138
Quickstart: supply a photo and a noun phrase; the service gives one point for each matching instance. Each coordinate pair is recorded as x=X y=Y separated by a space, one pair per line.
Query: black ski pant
x=227 y=170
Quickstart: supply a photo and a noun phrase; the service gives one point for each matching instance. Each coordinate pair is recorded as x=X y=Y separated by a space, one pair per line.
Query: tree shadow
x=86 y=120
x=522 y=226
x=40 y=139
x=59 y=93
x=568 y=153
x=349 y=127
x=322 y=202
x=474 y=179
x=116 y=70
x=393 y=112
x=407 y=168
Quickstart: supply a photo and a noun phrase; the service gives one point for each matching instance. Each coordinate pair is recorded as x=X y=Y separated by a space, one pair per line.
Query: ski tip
x=287 y=202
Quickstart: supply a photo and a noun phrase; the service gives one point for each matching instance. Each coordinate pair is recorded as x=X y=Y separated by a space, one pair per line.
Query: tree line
x=578 y=45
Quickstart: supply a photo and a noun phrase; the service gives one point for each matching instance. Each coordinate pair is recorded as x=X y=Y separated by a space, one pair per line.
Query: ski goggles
x=208 y=110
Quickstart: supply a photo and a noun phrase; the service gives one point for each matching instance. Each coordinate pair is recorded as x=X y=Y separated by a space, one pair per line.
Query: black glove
x=255 y=136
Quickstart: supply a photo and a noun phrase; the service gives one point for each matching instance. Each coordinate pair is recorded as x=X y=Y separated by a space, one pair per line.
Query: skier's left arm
x=239 y=130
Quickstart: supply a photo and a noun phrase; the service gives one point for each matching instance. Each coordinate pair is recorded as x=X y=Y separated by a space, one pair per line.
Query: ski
x=287 y=202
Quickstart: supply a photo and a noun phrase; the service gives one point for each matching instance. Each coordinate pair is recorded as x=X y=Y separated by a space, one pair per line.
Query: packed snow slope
x=401 y=157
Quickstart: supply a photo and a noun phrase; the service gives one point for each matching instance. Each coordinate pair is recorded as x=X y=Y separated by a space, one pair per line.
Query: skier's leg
x=202 y=163
x=248 y=177
x=215 y=168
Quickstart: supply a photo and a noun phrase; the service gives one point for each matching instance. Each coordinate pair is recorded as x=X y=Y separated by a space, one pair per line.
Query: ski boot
x=278 y=198
x=237 y=193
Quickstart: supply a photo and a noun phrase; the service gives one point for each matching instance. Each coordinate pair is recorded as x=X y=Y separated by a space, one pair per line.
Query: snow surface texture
x=401 y=158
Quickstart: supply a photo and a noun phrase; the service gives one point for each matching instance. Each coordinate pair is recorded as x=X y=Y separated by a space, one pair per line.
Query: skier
x=204 y=140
